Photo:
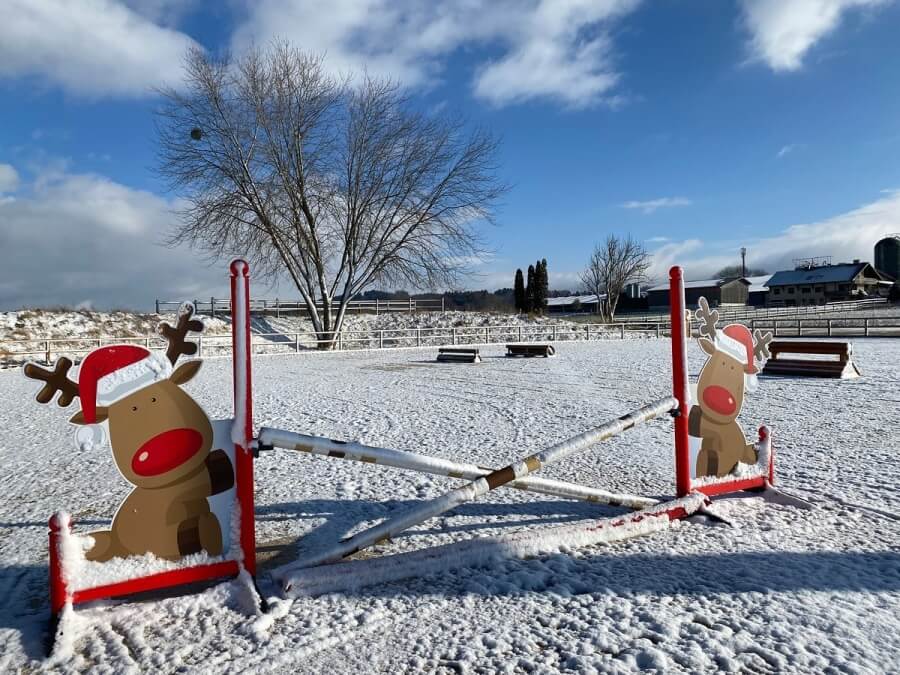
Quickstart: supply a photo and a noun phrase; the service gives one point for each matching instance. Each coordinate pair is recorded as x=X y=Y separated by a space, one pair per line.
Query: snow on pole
x=493 y=480
x=242 y=428
x=483 y=551
x=402 y=459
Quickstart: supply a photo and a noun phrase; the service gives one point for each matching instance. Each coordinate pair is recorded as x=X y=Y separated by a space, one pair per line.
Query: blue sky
x=698 y=127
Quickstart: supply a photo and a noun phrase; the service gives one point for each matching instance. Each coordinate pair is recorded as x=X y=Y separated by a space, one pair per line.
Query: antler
x=56 y=381
x=708 y=319
x=761 y=344
x=177 y=344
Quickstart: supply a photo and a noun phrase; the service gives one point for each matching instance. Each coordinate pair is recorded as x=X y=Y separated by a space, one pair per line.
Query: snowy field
x=786 y=589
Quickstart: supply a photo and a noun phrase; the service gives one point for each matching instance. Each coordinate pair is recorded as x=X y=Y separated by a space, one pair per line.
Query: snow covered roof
x=570 y=299
x=758 y=284
x=817 y=275
x=702 y=283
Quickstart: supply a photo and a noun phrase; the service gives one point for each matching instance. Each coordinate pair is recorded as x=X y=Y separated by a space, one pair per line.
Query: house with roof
x=570 y=304
x=733 y=291
x=758 y=291
x=828 y=283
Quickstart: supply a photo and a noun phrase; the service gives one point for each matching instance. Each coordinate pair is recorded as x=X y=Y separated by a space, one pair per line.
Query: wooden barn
x=735 y=291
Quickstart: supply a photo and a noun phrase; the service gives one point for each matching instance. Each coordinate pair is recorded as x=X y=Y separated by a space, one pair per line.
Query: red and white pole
x=242 y=434
x=680 y=382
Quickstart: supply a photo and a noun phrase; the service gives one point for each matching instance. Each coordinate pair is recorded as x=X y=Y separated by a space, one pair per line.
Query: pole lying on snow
x=402 y=459
x=493 y=480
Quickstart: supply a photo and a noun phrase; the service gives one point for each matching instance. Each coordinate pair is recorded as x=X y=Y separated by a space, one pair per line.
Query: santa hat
x=737 y=341
x=109 y=374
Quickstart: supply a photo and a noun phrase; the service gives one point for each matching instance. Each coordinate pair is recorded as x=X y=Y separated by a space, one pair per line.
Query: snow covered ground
x=786 y=589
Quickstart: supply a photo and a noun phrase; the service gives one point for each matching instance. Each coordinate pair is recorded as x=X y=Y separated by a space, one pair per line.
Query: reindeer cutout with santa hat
x=161 y=443
x=730 y=371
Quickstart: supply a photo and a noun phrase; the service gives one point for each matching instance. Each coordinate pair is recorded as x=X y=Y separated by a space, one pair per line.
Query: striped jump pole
x=402 y=459
x=492 y=481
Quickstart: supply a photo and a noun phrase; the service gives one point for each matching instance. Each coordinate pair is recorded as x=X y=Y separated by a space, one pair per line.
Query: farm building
x=734 y=291
x=827 y=283
x=758 y=291
x=572 y=303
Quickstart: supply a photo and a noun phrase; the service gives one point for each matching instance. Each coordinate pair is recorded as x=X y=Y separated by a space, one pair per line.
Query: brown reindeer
x=720 y=393
x=161 y=443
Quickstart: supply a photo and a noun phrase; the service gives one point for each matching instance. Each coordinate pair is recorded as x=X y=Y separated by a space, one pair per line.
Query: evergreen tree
x=530 y=289
x=519 y=291
x=542 y=282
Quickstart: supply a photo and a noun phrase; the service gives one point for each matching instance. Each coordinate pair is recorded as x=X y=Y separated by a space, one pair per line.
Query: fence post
x=829 y=327
x=47 y=350
x=454 y=335
x=442 y=304
x=296 y=342
x=196 y=305
x=587 y=333
x=487 y=338
x=418 y=337
x=340 y=342
x=157 y=305
x=376 y=306
x=520 y=332
x=657 y=330
x=622 y=331
x=212 y=306
x=774 y=327
x=410 y=305
x=799 y=328
x=866 y=327
x=200 y=346
x=277 y=309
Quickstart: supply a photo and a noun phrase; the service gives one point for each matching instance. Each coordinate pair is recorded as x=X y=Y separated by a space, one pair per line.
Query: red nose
x=165 y=451
x=719 y=399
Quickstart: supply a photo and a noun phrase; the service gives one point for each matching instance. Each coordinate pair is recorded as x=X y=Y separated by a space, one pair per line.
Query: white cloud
x=783 y=31
x=548 y=49
x=89 y=47
x=651 y=205
x=844 y=237
x=786 y=149
x=9 y=178
x=69 y=236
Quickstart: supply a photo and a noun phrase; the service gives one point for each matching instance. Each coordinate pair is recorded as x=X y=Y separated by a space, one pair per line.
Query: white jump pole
x=493 y=480
x=402 y=459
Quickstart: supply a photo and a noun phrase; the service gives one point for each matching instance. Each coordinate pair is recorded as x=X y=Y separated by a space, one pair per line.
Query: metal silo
x=887 y=255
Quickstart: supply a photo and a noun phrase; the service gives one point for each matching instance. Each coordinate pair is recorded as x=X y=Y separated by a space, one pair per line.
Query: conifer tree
x=519 y=291
x=530 y=289
x=543 y=285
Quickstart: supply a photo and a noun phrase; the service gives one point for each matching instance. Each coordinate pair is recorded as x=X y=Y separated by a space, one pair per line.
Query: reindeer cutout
x=161 y=439
x=729 y=372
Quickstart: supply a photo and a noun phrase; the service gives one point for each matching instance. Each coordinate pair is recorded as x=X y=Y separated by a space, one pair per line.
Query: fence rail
x=48 y=349
x=277 y=307
x=727 y=312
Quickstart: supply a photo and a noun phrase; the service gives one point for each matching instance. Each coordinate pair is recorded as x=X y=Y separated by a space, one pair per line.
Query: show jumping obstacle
x=842 y=367
x=529 y=350
x=458 y=355
x=322 y=570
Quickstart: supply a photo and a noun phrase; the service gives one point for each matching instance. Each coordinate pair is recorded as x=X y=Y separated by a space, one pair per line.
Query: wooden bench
x=841 y=367
x=530 y=350
x=458 y=355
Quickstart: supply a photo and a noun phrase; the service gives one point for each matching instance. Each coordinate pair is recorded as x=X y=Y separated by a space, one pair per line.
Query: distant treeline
x=502 y=300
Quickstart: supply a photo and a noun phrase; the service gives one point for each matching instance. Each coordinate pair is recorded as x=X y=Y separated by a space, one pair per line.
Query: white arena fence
x=47 y=350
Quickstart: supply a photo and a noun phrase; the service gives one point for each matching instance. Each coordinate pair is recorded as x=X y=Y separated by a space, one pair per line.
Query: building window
x=844 y=288
x=776 y=291
x=790 y=290
x=806 y=289
x=818 y=289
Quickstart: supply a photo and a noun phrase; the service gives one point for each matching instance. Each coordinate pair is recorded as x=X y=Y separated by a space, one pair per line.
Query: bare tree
x=336 y=184
x=614 y=264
